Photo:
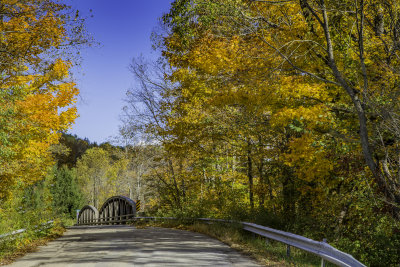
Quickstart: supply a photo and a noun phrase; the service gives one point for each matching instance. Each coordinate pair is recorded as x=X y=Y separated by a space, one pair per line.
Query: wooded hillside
x=280 y=112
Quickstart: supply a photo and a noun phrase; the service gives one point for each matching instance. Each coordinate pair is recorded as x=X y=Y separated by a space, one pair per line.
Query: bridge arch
x=117 y=208
x=88 y=215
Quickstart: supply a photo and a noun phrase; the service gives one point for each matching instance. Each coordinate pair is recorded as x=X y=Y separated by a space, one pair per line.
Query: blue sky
x=123 y=29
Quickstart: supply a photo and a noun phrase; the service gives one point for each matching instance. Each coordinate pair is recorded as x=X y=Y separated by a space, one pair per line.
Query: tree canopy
x=278 y=107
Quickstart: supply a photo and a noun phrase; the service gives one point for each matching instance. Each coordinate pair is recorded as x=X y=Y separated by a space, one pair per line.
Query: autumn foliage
x=37 y=94
x=280 y=112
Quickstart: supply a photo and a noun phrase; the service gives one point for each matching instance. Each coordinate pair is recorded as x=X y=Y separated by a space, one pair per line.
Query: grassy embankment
x=18 y=245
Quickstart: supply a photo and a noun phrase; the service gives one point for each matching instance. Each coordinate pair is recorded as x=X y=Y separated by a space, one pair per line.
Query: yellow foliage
x=37 y=98
x=309 y=158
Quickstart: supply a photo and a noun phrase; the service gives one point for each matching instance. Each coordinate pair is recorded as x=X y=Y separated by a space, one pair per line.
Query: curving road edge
x=128 y=246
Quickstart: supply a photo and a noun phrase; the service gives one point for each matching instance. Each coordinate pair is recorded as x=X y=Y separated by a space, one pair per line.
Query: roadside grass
x=18 y=245
x=266 y=252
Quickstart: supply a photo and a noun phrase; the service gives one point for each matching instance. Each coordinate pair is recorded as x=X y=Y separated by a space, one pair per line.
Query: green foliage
x=29 y=207
x=75 y=147
x=109 y=170
x=66 y=194
x=368 y=233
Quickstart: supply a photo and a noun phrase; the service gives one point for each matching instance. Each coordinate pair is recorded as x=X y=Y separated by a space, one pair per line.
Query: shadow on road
x=128 y=246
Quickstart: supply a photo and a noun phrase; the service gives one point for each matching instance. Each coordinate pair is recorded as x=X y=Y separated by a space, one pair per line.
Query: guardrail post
x=322 y=259
x=77 y=216
x=288 y=251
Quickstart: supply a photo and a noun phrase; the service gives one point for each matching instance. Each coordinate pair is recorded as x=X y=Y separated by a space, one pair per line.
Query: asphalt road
x=128 y=246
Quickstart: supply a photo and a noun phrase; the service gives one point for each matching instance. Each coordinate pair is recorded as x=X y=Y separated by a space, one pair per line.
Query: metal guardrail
x=321 y=249
x=16 y=232
x=20 y=231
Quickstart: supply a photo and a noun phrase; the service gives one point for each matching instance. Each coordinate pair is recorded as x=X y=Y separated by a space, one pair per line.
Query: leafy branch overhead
x=37 y=93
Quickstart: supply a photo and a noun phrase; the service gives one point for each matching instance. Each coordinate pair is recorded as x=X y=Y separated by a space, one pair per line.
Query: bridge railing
x=119 y=219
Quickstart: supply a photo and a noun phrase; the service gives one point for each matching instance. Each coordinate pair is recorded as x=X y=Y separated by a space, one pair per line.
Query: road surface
x=128 y=246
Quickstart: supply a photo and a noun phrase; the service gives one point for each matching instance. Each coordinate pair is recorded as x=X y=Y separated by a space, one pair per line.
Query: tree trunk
x=178 y=194
x=391 y=194
x=250 y=174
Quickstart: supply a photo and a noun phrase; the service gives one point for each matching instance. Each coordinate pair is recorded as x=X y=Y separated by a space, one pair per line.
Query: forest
x=283 y=113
